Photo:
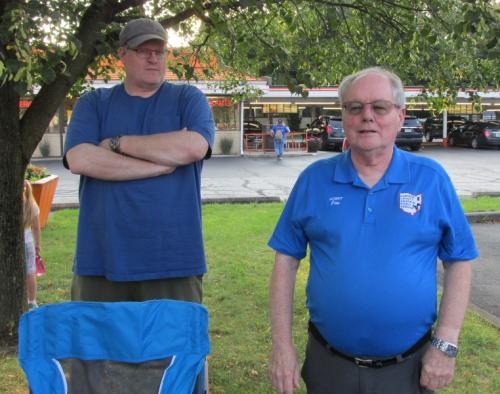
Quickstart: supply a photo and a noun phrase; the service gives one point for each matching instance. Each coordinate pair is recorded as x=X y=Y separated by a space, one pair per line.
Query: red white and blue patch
x=410 y=203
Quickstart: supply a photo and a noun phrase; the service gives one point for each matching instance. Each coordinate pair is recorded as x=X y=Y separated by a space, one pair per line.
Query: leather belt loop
x=370 y=363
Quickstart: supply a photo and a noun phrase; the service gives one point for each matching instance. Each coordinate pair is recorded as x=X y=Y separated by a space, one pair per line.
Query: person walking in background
x=279 y=132
x=139 y=149
x=31 y=241
x=375 y=219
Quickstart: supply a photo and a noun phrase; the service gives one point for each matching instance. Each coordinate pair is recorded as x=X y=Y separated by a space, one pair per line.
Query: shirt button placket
x=369 y=214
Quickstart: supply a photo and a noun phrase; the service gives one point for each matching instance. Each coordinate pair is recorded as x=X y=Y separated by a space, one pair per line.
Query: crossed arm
x=284 y=364
x=437 y=368
x=142 y=156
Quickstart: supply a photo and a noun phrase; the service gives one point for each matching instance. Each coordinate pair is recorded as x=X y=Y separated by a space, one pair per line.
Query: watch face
x=451 y=350
x=447 y=348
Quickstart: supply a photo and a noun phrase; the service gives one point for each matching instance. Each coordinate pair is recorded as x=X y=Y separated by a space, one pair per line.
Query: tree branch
x=45 y=104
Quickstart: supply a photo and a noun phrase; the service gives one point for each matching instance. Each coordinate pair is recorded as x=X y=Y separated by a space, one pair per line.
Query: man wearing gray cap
x=139 y=149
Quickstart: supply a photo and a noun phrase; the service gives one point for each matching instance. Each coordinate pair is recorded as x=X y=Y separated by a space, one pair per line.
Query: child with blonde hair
x=31 y=241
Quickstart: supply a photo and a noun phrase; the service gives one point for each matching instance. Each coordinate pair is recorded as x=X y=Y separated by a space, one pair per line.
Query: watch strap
x=114 y=144
x=448 y=348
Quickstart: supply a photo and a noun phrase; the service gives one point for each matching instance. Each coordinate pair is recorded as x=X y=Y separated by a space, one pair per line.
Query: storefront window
x=24 y=104
x=225 y=112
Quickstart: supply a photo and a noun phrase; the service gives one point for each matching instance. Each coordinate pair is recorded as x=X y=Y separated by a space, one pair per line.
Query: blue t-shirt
x=147 y=228
x=371 y=289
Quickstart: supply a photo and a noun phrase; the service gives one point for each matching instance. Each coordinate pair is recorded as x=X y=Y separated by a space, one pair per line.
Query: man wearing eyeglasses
x=375 y=219
x=139 y=149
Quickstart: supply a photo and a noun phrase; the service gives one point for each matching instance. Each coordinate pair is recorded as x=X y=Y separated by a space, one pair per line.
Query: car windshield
x=252 y=127
x=411 y=122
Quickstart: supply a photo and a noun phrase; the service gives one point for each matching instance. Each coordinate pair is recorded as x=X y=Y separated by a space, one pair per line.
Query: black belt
x=370 y=363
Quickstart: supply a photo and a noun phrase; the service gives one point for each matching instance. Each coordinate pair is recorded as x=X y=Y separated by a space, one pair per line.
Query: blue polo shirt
x=373 y=251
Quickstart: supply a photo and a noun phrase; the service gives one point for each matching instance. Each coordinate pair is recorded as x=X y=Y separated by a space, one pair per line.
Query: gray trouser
x=327 y=373
x=98 y=288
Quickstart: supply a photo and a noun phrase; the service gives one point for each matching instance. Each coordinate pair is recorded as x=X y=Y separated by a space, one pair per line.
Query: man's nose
x=367 y=112
x=154 y=57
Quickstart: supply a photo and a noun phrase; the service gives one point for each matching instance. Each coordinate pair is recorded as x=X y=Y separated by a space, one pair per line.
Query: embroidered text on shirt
x=335 y=200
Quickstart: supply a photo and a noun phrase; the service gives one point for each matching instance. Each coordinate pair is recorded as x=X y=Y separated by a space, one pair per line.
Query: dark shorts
x=325 y=372
x=98 y=288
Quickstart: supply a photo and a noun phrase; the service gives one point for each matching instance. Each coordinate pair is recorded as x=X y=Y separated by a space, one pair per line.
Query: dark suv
x=477 y=134
x=329 y=129
x=433 y=127
x=411 y=133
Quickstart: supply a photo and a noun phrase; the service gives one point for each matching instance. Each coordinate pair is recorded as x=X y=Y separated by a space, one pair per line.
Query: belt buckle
x=367 y=363
x=363 y=362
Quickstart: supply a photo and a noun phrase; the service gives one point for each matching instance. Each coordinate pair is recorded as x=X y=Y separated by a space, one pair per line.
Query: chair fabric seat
x=125 y=339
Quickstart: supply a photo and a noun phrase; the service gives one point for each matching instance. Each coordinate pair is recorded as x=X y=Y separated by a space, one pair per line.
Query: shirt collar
x=398 y=171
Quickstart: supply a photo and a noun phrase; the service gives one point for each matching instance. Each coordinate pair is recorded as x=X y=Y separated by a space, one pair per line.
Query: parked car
x=329 y=129
x=433 y=127
x=477 y=134
x=253 y=128
x=410 y=135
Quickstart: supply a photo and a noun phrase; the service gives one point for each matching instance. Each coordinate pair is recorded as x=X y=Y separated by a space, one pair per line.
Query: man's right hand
x=284 y=369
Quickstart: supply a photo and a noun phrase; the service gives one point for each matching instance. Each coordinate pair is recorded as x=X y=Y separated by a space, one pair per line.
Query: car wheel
x=415 y=147
x=474 y=144
x=428 y=137
x=451 y=141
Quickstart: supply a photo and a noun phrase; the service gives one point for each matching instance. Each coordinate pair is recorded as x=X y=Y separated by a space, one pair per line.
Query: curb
x=483 y=217
x=239 y=200
x=208 y=200
x=485 y=315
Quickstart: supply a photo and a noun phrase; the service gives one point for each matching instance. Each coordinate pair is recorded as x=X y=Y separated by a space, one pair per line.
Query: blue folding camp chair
x=155 y=346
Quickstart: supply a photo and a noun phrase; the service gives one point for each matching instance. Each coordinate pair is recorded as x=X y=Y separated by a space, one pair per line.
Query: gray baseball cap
x=141 y=30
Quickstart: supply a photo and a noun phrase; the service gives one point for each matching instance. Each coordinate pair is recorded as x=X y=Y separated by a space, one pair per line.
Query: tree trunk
x=12 y=165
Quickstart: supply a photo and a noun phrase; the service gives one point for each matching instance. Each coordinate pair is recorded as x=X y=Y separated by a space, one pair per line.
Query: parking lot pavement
x=472 y=172
x=485 y=290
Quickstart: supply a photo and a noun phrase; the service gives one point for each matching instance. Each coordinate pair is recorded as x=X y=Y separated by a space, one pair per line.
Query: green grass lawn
x=236 y=294
x=481 y=204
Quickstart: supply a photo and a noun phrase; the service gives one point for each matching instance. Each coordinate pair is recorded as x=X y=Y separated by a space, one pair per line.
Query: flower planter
x=313 y=145
x=44 y=191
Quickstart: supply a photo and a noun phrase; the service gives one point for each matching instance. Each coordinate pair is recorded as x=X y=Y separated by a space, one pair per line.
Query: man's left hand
x=105 y=144
x=437 y=369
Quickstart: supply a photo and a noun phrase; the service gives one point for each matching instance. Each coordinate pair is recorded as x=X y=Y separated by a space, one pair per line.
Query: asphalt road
x=472 y=172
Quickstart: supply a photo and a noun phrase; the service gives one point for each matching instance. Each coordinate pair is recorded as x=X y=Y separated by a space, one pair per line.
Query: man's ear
x=121 y=52
x=402 y=115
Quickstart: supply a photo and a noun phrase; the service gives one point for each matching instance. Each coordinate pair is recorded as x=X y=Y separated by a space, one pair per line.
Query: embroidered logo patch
x=335 y=200
x=410 y=203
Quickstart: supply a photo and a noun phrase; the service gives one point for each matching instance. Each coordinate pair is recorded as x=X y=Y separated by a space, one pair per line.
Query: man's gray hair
x=398 y=92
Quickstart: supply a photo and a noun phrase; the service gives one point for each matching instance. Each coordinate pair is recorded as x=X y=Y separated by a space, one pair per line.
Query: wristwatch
x=114 y=144
x=447 y=348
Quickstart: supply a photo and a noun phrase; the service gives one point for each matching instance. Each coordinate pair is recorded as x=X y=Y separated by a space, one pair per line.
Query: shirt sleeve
x=289 y=237
x=197 y=114
x=84 y=123
x=457 y=242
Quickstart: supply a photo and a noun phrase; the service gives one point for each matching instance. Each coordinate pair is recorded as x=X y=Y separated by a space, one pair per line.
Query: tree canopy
x=48 y=47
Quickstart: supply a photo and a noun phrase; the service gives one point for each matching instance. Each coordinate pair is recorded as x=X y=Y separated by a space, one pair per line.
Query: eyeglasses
x=380 y=107
x=145 y=53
